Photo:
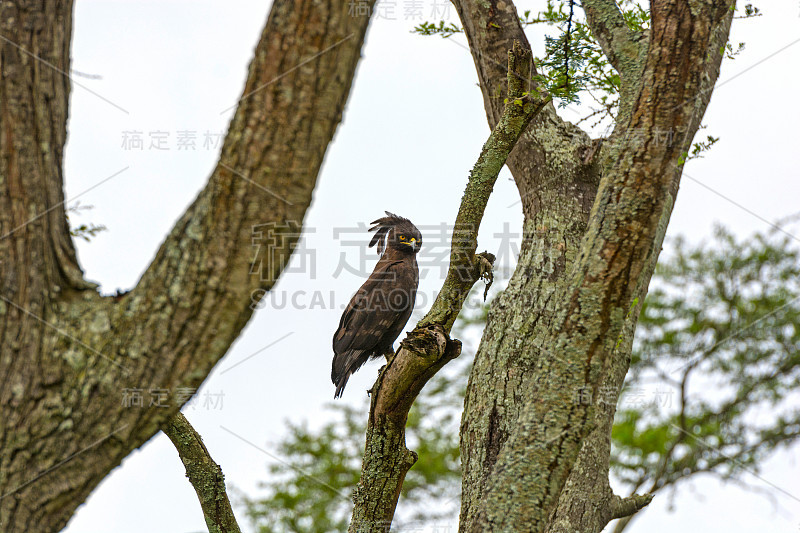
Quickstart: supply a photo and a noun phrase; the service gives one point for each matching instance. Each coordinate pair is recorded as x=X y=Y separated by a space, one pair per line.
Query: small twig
x=567 y=37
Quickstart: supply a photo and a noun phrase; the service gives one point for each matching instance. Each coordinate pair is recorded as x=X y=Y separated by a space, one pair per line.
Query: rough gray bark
x=557 y=172
x=428 y=348
x=67 y=354
x=204 y=474
x=588 y=484
x=540 y=452
x=557 y=184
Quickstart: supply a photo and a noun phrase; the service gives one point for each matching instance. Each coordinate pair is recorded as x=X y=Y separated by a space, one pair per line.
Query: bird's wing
x=370 y=313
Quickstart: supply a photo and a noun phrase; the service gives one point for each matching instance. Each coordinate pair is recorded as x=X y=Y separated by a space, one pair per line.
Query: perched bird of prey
x=380 y=309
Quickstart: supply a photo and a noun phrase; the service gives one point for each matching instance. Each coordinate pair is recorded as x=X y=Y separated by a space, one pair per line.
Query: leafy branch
x=722 y=317
x=573 y=62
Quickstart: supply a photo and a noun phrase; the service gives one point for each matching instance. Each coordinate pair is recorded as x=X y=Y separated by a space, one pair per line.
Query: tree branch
x=622 y=507
x=519 y=110
x=81 y=351
x=428 y=348
x=618 y=42
x=548 y=159
x=204 y=474
x=577 y=494
x=34 y=95
x=588 y=486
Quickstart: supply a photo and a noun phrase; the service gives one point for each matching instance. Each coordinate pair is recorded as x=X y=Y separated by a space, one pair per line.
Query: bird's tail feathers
x=340 y=385
x=344 y=364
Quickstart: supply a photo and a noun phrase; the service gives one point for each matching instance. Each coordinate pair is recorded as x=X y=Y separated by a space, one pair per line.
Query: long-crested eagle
x=378 y=312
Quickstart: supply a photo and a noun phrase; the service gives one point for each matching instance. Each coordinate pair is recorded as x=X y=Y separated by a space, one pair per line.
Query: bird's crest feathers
x=382 y=226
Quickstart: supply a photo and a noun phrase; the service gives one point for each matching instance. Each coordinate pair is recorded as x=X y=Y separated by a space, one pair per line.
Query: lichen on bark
x=428 y=347
x=557 y=171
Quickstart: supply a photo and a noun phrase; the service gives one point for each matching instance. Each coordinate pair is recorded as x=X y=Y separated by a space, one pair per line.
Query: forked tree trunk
x=667 y=80
x=67 y=354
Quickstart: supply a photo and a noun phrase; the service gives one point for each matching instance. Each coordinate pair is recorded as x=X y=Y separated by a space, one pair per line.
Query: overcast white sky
x=415 y=117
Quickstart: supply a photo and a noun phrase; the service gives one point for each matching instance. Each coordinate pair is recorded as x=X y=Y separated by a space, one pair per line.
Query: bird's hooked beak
x=412 y=243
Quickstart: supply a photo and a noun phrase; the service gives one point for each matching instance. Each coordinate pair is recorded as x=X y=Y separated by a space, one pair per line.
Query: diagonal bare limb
x=204 y=474
x=428 y=348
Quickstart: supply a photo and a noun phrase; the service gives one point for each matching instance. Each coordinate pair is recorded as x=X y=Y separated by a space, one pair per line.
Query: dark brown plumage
x=377 y=313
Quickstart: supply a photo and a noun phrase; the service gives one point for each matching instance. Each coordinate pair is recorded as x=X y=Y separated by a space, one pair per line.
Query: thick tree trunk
x=587 y=502
x=557 y=171
x=557 y=180
x=68 y=356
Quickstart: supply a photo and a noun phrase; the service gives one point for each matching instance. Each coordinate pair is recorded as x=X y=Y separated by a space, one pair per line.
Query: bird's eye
x=402 y=237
